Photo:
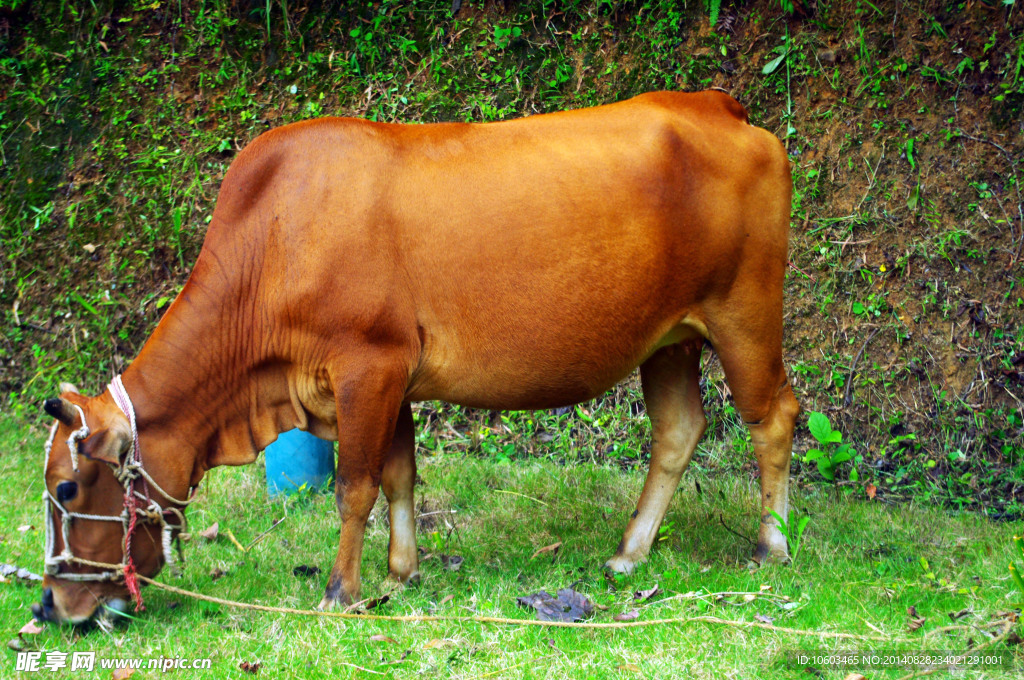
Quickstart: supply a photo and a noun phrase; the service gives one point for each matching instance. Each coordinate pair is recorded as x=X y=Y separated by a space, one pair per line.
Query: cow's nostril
x=48 y=597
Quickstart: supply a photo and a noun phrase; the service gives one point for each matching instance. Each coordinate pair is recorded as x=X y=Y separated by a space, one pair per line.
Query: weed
x=793 y=530
x=833 y=451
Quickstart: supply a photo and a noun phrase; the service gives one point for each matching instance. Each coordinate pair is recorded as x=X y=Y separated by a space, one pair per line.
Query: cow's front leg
x=399 y=479
x=368 y=410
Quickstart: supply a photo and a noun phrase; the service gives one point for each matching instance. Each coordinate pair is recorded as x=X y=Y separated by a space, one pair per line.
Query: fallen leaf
x=959 y=615
x=210 y=533
x=451 y=562
x=383 y=638
x=627 y=616
x=553 y=548
x=631 y=667
x=764 y=619
x=567 y=605
x=250 y=666
x=446 y=600
x=217 y=573
x=854 y=676
x=31 y=628
x=122 y=673
x=25 y=527
x=434 y=643
x=18 y=572
x=90 y=248
x=916 y=623
x=377 y=601
x=871 y=490
x=644 y=595
x=305 y=570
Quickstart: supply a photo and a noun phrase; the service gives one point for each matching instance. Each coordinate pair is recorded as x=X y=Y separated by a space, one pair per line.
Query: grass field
x=861 y=567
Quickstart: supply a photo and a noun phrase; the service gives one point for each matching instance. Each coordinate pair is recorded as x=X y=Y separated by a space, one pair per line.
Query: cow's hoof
x=765 y=554
x=620 y=564
x=408 y=580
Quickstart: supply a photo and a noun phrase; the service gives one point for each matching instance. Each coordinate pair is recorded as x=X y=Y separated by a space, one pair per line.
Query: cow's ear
x=108 y=445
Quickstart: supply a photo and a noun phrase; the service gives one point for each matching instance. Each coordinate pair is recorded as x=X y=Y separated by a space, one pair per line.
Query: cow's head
x=84 y=510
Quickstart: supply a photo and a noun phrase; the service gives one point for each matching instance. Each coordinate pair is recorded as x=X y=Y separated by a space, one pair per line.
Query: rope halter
x=138 y=505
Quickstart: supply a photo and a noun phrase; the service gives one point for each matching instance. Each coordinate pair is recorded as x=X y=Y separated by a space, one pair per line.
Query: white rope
x=129 y=470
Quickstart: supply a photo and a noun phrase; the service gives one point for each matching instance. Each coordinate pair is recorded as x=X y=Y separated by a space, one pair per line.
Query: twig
x=263 y=535
x=437 y=512
x=733 y=531
x=1008 y=625
x=343 y=663
x=508 y=668
x=722 y=594
x=522 y=495
x=234 y=540
x=871 y=179
x=847 y=399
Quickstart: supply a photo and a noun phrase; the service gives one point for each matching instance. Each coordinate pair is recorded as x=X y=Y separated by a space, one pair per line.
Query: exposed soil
x=904 y=301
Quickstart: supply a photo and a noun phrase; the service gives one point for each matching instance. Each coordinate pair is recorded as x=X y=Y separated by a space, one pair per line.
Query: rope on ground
x=418 y=618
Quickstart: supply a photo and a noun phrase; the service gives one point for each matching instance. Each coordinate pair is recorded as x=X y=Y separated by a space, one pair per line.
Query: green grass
x=861 y=566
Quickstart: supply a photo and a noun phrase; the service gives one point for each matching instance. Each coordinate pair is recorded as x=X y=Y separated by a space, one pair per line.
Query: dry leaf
x=90 y=248
x=644 y=595
x=627 y=616
x=434 y=643
x=871 y=490
x=250 y=666
x=383 y=638
x=916 y=623
x=446 y=600
x=553 y=548
x=764 y=619
x=631 y=667
x=854 y=676
x=123 y=673
x=210 y=533
x=25 y=527
x=451 y=562
x=31 y=628
x=566 y=605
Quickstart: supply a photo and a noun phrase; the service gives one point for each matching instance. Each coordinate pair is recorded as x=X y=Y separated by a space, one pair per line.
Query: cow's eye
x=66 y=491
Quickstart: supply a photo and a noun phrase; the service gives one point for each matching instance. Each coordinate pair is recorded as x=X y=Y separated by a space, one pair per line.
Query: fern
x=713 y=8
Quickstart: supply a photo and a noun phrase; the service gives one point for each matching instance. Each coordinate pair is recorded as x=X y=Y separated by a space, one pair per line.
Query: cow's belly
x=542 y=371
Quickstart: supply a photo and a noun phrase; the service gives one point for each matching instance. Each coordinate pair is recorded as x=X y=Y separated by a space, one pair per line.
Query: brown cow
x=352 y=268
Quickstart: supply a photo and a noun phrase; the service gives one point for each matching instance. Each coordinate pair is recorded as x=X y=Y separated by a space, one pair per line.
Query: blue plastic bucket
x=298 y=458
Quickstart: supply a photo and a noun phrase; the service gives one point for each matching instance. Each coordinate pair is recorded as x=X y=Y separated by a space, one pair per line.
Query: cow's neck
x=203 y=394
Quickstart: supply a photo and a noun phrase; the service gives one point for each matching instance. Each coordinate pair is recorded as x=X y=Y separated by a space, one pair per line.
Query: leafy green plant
x=714 y=7
x=832 y=451
x=793 y=530
x=1018 y=542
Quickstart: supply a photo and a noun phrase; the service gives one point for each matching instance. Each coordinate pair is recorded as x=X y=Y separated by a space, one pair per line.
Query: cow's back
x=527 y=263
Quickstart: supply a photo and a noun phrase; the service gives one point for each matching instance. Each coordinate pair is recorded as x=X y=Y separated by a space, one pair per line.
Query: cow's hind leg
x=752 y=359
x=368 y=403
x=671 y=384
x=398 y=481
